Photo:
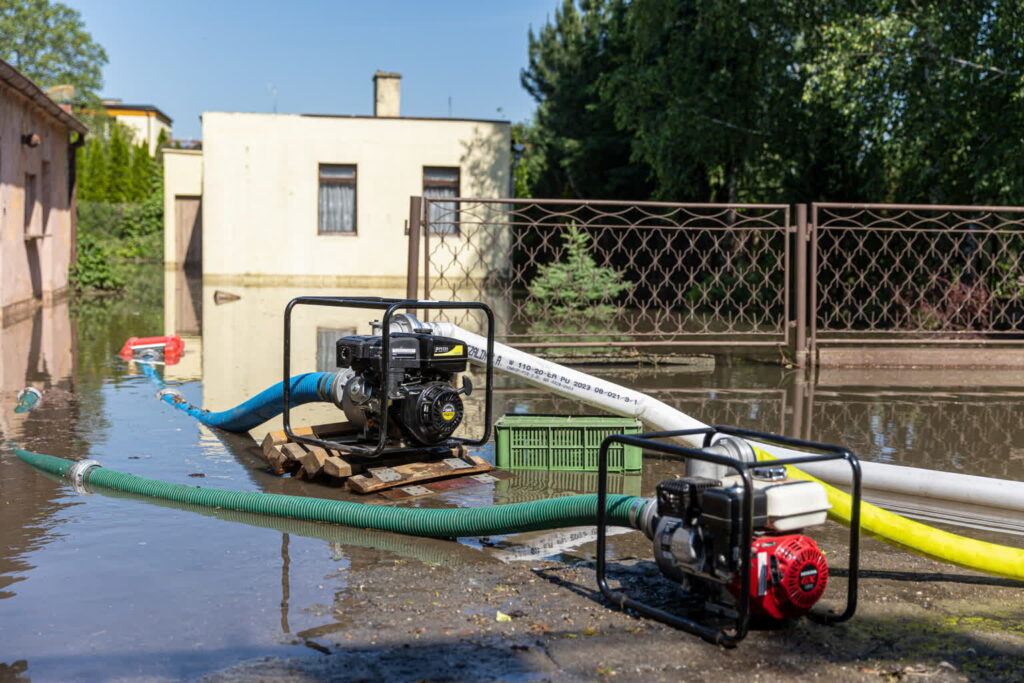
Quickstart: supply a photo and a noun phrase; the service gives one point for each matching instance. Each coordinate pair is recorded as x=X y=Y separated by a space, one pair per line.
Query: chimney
x=387 y=93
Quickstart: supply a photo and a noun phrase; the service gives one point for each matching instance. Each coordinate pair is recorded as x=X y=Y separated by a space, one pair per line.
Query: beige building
x=37 y=195
x=144 y=120
x=322 y=200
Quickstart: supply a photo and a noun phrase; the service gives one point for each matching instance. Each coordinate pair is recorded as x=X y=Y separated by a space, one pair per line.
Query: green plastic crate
x=564 y=442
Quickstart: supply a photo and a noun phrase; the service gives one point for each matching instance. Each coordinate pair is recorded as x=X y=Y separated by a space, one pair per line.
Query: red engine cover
x=788 y=574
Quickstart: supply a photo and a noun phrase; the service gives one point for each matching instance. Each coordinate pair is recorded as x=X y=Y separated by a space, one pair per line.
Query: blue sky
x=190 y=56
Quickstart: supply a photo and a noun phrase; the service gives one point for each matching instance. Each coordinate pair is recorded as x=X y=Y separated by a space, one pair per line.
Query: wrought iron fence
x=571 y=275
x=916 y=273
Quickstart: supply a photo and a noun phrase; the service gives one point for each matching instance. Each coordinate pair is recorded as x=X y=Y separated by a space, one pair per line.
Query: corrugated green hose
x=551 y=513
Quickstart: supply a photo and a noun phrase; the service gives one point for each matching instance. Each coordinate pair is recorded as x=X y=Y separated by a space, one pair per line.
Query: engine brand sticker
x=457 y=350
x=808 y=578
x=448 y=412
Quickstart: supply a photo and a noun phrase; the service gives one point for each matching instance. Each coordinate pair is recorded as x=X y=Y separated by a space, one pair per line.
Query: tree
x=120 y=187
x=933 y=92
x=92 y=171
x=47 y=41
x=707 y=90
x=579 y=151
x=141 y=173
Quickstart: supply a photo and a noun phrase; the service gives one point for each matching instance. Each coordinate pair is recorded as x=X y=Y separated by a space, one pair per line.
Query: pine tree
x=119 y=167
x=92 y=171
x=141 y=173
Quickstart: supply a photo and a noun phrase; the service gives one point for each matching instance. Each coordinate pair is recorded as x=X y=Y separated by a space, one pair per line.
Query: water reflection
x=38 y=352
x=82 y=570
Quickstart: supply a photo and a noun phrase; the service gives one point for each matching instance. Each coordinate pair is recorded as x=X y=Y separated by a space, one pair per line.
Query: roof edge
x=370 y=117
x=24 y=85
x=139 y=107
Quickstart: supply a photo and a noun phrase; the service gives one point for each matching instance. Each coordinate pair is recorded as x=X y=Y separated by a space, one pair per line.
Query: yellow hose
x=920 y=539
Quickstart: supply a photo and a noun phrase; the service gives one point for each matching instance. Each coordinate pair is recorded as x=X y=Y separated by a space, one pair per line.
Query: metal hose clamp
x=169 y=392
x=76 y=474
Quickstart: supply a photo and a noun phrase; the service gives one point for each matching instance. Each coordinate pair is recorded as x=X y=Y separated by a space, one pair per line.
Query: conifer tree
x=119 y=172
x=141 y=173
x=92 y=171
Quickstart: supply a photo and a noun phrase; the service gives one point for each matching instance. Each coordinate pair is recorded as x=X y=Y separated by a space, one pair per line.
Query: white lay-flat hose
x=564 y=381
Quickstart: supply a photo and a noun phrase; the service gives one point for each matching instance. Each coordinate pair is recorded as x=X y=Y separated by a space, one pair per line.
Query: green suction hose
x=495 y=520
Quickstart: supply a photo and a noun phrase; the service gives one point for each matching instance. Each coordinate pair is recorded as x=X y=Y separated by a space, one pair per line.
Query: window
x=32 y=226
x=327 y=345
x=337 y=199
x=441 y=182
x=44 y=193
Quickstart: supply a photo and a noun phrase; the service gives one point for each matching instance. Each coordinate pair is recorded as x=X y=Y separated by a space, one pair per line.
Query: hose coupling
x=28 y=398
x=169 y=392
x=645 y=517
x=726 y=445
x=77 y=472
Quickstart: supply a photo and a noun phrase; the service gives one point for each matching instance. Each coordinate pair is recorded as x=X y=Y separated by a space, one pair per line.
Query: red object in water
x=168 y=348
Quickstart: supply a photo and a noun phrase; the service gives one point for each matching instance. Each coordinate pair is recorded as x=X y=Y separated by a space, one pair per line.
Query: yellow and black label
x=457 y=350
x=448 y=413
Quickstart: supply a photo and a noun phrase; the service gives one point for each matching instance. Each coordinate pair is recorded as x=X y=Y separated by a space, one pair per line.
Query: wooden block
x=413 y=472
x=269 y=446
x=293 y=451
x=313 y=461
x=319 y=431
x=334 y=466
x=277 y=462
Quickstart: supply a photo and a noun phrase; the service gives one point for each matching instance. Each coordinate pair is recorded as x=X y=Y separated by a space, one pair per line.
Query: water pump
x=399 y=388
x=734 y=543
x=697 y=535
x=425 y=406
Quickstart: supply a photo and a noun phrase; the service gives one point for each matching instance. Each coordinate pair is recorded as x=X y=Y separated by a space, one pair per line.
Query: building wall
x=36 y=269
x=145 y=126
x=183 y=177
x=261 y=184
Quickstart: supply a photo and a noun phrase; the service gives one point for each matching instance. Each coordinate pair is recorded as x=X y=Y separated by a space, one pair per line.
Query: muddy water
x=102 y=586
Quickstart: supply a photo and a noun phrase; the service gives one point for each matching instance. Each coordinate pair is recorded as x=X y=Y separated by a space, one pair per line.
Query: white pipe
x=558 y=379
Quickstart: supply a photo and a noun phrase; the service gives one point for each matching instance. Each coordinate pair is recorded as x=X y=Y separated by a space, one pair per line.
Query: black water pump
x=425 y=407
x=399 y=387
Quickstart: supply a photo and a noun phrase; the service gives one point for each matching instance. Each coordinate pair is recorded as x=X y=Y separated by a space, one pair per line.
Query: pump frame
x=721 y=636
x=390 y=307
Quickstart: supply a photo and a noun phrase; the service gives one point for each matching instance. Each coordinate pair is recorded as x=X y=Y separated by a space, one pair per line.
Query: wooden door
x=188 y=212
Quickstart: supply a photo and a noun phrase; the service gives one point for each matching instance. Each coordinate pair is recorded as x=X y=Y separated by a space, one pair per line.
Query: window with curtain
x=337 y=199
x=441 y=182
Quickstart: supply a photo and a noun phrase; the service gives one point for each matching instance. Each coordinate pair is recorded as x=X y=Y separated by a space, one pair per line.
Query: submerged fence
x=576 y=276
x=917 y=274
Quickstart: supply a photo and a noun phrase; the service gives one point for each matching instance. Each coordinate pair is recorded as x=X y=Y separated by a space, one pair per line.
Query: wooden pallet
x=330 y=466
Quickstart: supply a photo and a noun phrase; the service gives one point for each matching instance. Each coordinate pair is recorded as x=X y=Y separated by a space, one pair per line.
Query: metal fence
x=916 y=274
x=571 y=275
x=575 y=276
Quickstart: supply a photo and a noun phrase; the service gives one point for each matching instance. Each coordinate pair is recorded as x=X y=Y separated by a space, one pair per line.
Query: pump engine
x=730 y=531
x=424 y=405
x=697 y=535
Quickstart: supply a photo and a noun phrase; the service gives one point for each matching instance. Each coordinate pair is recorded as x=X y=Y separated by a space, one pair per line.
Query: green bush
x=96 y=267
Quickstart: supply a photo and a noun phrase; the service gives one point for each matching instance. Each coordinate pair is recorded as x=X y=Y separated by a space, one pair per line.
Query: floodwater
x=106 y=586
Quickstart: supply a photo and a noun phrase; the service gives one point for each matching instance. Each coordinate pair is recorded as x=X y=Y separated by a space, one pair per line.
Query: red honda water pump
x=735 y=543
x=697 y=534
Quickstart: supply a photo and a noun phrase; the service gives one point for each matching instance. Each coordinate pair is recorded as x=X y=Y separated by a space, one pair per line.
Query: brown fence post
x=801 y=284
x=412 y=269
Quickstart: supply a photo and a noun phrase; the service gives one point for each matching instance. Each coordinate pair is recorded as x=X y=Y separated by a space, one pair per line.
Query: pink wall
x=33 y=270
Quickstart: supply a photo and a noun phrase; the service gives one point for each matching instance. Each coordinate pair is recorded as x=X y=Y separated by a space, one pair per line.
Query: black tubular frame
x=646 y=442
x=389 y=306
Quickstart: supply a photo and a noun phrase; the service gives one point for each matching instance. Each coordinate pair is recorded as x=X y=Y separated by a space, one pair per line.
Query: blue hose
x=310 y=387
